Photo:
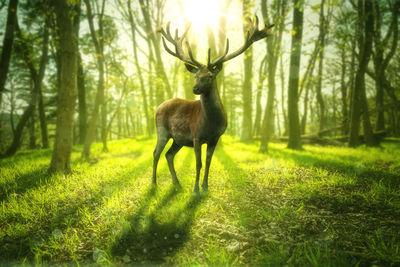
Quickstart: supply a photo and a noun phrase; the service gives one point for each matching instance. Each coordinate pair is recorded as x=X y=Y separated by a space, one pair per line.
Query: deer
x=193 y=123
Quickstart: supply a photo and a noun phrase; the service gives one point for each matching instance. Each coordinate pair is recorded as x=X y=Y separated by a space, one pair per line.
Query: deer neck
x=213 y=110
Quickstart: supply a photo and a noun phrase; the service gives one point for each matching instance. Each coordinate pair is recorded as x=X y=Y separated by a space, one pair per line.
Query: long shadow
x=24 y=182
x=20 y=247
x=350 y=229
x=151 y=239
x=364 y=174
x=23 y=155
x=40 y=177
x=347 y=165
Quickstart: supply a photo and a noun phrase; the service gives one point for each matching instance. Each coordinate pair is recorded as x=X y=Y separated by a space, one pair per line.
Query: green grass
x=324 y=206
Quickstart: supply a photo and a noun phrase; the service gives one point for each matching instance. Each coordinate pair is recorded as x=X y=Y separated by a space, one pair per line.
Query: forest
x=304 y=93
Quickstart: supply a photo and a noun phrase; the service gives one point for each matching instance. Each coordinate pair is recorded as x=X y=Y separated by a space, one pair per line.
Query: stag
x=196 y=122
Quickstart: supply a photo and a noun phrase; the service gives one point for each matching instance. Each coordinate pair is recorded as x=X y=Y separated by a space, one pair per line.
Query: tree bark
x=273 y=51
x=139 y=71
x=360 y=105
x=343 y=90
x=247 y=120
x=99 y=100
x=81 y=102
x=61 y=158
x=294 y=72
x=7 y=44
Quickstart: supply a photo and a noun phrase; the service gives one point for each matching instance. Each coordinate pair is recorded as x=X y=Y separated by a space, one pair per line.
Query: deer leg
x=210 y=152
x=161 y=142
x=197 y=151
x=170 y=159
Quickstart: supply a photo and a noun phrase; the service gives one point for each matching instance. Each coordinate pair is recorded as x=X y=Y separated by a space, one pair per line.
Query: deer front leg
x=210 y=152
x=197 y=151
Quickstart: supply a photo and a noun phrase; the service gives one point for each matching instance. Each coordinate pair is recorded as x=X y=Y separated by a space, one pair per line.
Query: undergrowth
x=324 y=206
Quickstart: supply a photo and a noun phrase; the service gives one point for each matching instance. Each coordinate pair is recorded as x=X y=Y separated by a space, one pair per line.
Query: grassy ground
x=323 y=206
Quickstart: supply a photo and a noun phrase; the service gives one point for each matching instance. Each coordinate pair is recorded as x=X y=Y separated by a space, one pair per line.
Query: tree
x=7 y=43
x=61 y=157
x=294 y=72
x=382 y=59
x=247 y=87
x=273 y=52
x=98 y=41
x=359 y=103
x=25 y=47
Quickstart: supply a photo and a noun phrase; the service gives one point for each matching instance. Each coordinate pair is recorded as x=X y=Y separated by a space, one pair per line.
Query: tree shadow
x=304 y=217
x=40 y=177
x=25 y=182
x=347 y=165
x=19 y=247
x=152 y=239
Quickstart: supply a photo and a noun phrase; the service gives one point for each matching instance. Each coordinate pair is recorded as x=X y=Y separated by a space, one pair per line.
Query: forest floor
x=324 y=206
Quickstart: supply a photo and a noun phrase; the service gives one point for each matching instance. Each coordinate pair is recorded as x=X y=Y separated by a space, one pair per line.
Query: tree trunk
x=360 y=105
x=36 y=77
x=99 y=100
x=139 y=71
x=81 y=101
x=294 y=71
x=61 y=158
x=380 y=60
x=32 y=137
x=162 y=77
x=343 y=90
x=42 y=68
x=247 y=87
x=258 y=117
x=273 y=51
x=7 y=44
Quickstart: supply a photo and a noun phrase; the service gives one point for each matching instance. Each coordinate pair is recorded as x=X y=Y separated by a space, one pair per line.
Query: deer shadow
x=151 y=241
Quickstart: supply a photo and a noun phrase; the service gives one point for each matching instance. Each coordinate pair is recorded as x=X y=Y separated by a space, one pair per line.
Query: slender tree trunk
x=247 y=81
x=36 y=77
x=285 y=117
x=343 y=90
x=162 y=77
x=99 y=100
x=81 y=101
x=322 y=34
x=39 y=81
x=139 y=71
x=32 y=137
x=360 y=104
x=261 y=78
x=380 y=60
x=294 y=72
x=7 y=44
x=61 y=158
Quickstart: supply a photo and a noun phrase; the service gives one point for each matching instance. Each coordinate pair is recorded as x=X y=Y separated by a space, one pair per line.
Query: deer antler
x=177 y=42
x=253 y=35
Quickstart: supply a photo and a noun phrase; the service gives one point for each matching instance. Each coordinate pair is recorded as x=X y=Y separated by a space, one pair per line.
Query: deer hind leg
x=210 y=152
x=161 y=142
x=170 y=159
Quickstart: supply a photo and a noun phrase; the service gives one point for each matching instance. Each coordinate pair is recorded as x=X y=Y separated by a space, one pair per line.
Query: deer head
x=206 y=74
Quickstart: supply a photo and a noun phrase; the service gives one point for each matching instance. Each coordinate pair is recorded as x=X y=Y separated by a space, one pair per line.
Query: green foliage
x=324 y=206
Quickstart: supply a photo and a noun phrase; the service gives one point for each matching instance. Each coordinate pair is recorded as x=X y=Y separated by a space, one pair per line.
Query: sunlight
x=202 y=13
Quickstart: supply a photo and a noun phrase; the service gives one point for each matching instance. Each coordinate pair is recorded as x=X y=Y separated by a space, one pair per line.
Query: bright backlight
x=202 y=13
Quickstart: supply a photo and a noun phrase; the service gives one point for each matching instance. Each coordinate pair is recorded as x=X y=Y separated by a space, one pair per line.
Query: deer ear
x=191 y=68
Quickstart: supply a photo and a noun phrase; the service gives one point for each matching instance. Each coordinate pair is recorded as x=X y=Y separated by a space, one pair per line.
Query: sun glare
x=202 y=13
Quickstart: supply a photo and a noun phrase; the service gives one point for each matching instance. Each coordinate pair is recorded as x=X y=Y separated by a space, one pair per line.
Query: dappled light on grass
x=321 y=206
